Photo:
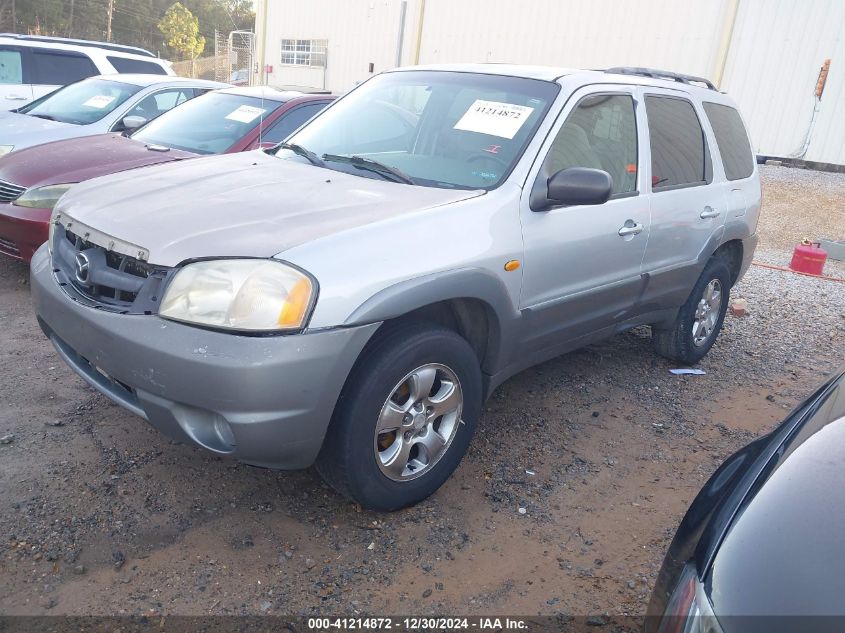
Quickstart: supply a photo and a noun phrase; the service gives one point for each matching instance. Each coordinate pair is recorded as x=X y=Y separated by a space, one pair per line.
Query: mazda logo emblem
x=83 y=268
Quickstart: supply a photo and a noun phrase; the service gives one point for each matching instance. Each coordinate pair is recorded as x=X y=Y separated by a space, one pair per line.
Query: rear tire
x=700 y=319
x=404 y=418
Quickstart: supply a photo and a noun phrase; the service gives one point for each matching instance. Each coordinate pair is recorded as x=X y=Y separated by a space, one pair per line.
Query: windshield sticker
x=494 y=118
x=245 y=114
x=99 y=101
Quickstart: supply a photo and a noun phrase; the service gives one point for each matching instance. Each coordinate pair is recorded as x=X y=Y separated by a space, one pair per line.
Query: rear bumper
x=22 y=230
x=749 y=245
x=263 y=400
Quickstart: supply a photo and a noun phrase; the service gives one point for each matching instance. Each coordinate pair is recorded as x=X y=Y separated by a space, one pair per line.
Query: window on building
x=129 y=65
x=732 y=140
x=601 y=132
x=678 y=150
x=304 y=52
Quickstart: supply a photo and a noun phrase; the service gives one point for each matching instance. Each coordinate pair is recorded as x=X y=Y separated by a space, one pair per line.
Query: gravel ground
x=603 y=449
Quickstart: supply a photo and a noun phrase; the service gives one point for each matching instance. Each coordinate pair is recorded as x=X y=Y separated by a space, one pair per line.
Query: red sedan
x=224 y=121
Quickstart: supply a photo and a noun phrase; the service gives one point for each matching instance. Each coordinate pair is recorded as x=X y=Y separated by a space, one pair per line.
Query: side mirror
x=579 y=185
x=132 y=123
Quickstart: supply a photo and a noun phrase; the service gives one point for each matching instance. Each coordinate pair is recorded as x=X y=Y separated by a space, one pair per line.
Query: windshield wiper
x=362 y=162
x=43 y=116
x=301 y=151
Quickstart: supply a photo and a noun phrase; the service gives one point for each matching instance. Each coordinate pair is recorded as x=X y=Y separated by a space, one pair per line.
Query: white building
x=766 y=53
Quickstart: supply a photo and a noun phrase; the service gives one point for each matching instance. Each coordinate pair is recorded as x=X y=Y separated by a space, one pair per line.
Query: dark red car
x=224 y=121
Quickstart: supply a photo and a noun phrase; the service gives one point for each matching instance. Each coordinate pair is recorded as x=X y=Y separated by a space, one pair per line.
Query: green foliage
x=134 y=22
x=181 y=31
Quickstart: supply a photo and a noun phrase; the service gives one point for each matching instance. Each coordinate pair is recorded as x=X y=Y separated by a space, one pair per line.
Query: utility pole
x=108 y=26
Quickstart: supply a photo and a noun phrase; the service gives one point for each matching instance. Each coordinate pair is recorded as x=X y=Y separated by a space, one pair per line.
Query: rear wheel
x=405 y=417
x=700 y=319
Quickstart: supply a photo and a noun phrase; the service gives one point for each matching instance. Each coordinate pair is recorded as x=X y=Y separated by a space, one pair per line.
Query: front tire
x=700 y=319
x=404 y=418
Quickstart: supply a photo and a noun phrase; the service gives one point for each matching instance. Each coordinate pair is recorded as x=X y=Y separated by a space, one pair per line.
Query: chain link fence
x=232 y=60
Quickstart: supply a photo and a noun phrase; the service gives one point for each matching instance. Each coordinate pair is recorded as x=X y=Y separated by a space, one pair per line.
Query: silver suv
x=351 y=296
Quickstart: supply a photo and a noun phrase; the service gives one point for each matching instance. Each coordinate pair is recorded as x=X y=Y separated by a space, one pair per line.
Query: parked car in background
x=353 y=295
x=32 y=66
x=224 y=121
x=113 y=103
x=761 y=548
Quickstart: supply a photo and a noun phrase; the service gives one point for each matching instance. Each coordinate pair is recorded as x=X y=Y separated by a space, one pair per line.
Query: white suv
x=32 y=66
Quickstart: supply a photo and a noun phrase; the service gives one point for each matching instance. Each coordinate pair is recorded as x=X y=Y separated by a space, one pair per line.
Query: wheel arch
x=472 y=302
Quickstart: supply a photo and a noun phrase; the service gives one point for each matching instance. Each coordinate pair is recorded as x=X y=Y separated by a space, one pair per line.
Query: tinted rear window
x=124 y=65
x=291 y=121
x=60 y=69
x=732 y=140
x=678 y=149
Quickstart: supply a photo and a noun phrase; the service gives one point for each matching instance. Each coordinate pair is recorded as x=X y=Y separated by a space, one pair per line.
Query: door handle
x=15 y=98
x=630 y=228
x=709 y=212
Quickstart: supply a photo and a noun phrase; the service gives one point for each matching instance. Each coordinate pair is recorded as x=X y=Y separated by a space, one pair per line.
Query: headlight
x=240 y=294
x=5 y=149
x=42 y=197
x=689 y=609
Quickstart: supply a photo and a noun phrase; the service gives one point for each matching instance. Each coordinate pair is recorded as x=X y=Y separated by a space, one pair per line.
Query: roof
x=546 y=73
x=265 y=92
x=620 y=75
x=144 y=81
x=118 y=48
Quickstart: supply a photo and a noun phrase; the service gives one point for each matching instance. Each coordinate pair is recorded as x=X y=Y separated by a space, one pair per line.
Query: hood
x=784 y=551
x=22 y=130
x=249 y=204
x=79 y=159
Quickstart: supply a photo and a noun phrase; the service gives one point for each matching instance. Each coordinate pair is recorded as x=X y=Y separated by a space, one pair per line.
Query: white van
x=32 y=66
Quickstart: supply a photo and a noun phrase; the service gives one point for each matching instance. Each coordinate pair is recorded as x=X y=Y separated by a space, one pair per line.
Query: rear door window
x=732 y=139
x=679 y=155
x=126 y=65
x=11 y=66
x=59 y=69
x=290 y=121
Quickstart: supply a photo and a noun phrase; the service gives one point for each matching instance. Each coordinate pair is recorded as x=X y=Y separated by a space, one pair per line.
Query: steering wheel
x=476 y=156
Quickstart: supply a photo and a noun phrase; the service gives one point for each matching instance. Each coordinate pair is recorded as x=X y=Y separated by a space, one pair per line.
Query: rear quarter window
x=126 y=65
x=59 y=68
x=11 y=66
x=732 y=139
x=679 y=155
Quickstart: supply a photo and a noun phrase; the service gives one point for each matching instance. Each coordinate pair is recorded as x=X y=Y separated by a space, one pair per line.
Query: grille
x=10 y=191
x=110 y=280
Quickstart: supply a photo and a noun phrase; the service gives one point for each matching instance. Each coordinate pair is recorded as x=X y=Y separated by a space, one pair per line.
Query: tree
x=181 y=31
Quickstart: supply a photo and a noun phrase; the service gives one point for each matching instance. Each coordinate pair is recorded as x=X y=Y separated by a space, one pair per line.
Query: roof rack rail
x=654 y=73
x=120 y=48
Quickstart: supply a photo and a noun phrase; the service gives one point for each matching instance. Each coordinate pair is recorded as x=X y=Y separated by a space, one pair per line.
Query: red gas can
x=808 y=257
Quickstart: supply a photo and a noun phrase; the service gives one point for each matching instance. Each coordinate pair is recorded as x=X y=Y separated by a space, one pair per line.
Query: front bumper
x=22 y=230
x=263 y=400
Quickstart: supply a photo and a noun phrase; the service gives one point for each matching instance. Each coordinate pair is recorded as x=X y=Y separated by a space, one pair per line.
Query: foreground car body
x=437 y=238
x=761 y=546
x=33 y=179
x=95 y=106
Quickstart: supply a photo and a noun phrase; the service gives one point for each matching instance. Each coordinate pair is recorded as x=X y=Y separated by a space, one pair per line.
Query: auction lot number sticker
x=494 y=118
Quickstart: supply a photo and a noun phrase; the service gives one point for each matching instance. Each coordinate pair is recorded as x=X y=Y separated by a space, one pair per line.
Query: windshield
x=81 y=103
x=441 y=129
x=209 y=124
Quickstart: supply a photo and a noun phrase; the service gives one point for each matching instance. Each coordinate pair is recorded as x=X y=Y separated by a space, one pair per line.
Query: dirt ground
x=602 y=448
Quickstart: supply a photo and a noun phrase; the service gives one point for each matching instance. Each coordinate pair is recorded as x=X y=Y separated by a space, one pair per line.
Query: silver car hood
x=22 y=130
x=248 y=204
